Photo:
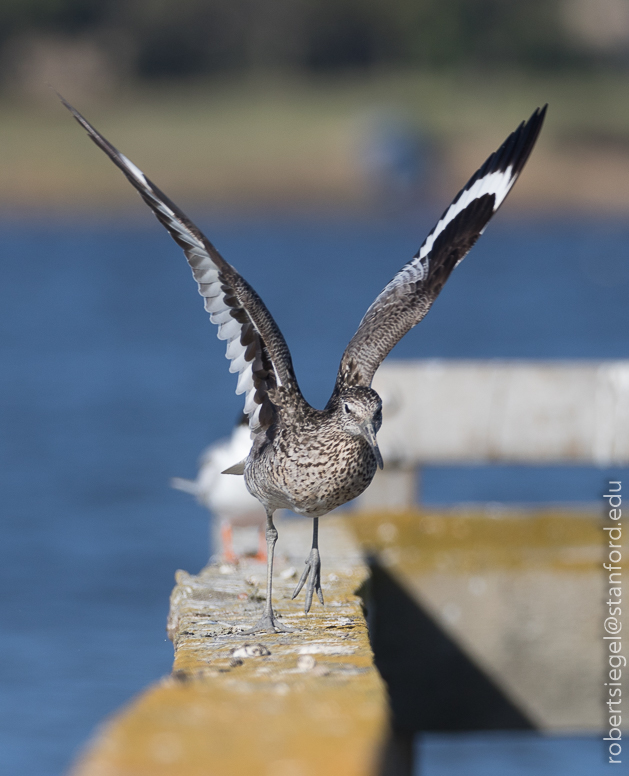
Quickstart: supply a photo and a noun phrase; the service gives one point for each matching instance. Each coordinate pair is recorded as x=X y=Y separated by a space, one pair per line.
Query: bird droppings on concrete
x=250 y=650
x=306 y=663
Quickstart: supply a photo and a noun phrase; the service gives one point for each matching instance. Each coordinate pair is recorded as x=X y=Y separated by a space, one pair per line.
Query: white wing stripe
x=206 y=273
x=135 y=171
x=209 y=277
x=239 y=363
x=199 y=252
x=215 y=304
x=256 y=415
x=245 y=379
x=277 y=377
x=209 y=301
x=234 y=348
x=199 y=260
x=229 y=330
x=496 y=183
x=204 y=270
x=181 y=230
x=250 y=403
x=223 y=316
x=209 y=289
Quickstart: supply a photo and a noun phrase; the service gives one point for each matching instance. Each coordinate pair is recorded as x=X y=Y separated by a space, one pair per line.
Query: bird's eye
x=346 y=408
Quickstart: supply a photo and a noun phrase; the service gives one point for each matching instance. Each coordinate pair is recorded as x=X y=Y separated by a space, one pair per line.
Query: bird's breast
x=312 y=474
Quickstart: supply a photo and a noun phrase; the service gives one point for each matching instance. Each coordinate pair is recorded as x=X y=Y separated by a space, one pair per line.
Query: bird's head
x=360 y=410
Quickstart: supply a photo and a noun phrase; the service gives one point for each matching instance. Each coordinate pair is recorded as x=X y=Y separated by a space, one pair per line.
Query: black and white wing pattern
x=408 y=297
x=255 y=345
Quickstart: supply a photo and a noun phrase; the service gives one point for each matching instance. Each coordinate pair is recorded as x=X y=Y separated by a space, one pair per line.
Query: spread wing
x=255 y=345
x=409 y=296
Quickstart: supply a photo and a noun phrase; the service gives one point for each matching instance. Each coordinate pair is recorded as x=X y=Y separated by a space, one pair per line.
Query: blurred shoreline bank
x=356 y=145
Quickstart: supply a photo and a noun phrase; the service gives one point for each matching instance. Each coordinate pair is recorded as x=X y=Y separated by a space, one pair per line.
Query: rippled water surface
x=113 y=380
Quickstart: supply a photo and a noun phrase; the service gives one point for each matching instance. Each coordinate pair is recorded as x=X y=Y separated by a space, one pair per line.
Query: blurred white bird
x=224 y=495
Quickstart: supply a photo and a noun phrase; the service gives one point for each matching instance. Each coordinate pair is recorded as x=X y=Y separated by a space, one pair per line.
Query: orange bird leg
x=228 y=543
x=261 y=554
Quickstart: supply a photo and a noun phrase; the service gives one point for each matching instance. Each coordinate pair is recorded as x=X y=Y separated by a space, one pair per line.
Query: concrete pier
x=479 y=620
x=298 y=704
x=488 y=619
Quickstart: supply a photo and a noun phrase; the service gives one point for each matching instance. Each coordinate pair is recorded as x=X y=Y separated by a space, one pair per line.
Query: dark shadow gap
x=433 y=684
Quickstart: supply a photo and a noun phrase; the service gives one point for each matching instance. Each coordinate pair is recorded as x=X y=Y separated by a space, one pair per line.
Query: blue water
x=113 y=381
x=511 y=754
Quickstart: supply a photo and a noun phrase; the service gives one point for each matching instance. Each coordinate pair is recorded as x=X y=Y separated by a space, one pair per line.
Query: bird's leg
x=227 y=540
x=312 y=572
x=262 y=554
x=268 y=622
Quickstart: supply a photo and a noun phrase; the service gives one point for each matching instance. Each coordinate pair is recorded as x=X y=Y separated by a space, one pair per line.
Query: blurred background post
x=316 y=143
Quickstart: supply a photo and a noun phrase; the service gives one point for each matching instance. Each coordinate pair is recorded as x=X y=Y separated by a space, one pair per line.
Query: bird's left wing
x=408 y=297
x=255 y=345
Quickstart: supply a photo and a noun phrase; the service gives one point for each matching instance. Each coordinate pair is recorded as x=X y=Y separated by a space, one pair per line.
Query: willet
x=225 y=497
x=307 y=460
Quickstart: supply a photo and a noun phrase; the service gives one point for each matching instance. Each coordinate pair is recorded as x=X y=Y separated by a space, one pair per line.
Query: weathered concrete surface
x=298 y=704
x=521 y=593
x=518 y=593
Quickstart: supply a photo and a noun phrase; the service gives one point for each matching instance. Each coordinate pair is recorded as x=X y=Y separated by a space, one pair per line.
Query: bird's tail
x=188 y=486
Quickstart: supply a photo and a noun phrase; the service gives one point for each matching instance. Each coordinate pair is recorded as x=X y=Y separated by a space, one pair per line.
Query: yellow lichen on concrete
x=202 y=728
x=465 y=541
x=519 y=591
x=292 y=704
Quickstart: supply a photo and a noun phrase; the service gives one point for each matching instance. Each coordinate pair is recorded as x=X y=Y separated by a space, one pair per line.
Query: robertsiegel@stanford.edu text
x=616 y=661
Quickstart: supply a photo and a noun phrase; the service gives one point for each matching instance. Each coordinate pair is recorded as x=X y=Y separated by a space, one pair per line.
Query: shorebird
x=304 y=459
x=225 y=497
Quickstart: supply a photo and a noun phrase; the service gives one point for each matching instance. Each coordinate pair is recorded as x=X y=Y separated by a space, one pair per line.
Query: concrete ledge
x=527 y=412
x=298 y=704
x=479 y=619
x=493 y=618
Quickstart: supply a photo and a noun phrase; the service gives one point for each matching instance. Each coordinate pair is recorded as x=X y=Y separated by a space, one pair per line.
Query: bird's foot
x=268 y=623
x=312 y=573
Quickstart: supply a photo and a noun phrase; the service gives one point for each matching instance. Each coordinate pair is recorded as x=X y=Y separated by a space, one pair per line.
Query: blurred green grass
x=281 y=142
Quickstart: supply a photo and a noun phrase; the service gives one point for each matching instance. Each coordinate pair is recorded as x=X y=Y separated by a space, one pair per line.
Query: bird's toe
x=311 y=578
x=268 y=623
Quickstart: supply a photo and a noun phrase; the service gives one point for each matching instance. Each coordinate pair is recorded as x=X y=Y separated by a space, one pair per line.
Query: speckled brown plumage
x=309 y=462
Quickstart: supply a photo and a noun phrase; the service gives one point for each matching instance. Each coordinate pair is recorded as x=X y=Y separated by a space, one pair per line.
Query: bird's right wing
x=408 y=297
x=255 y=345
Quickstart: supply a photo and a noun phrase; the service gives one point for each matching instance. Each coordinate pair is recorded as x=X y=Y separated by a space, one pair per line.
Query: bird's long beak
x=370 y=435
